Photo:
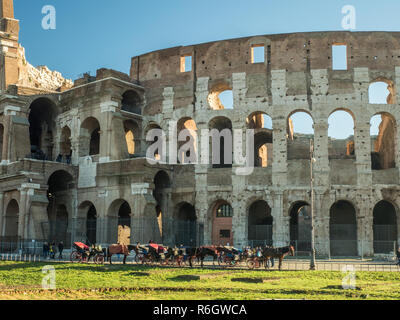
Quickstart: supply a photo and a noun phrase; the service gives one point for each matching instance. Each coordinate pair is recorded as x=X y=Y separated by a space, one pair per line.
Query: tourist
x=60 y=249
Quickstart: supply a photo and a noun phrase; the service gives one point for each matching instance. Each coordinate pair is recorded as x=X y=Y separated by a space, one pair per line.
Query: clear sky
x=91 y=34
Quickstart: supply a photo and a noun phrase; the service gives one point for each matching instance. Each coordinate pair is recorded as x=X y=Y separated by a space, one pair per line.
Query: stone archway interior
x=124 y=224
x=11 y=227
x=343 y=229
x=91 y=225
x=384 y=227
x=222 y=224
x=300 y=226
x=260 y=224
x=185 y=225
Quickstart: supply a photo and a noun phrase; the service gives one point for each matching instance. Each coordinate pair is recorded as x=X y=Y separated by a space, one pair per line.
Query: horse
x=201 y=253
x=279 y=253
x=119 y=249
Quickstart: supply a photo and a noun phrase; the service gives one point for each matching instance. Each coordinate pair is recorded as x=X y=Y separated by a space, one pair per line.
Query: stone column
x=108 y=109
x=2 y=214
x=321 y=166
x=362 y=142
x=321 y=225
x=281 y=223
x=365 y=231
x=22 y=212
x=5 y=158
x=279 y=166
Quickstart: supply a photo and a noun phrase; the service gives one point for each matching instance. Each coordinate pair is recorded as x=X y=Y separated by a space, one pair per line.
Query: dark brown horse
x=201 y=253
x=119 y=249
x=278 y=253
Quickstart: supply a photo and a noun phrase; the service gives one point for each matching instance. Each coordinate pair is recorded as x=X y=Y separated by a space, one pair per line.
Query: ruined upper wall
x=301 y=55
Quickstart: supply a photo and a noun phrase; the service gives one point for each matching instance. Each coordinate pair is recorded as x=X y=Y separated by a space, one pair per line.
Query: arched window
x=300 y=131
x=341 y=135
x=381 y=92
x=263 y=138
x=221 y=97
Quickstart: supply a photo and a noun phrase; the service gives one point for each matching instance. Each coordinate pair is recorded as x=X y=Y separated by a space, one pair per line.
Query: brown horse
x=201 y=253
x=119 y=249
x=279 y=253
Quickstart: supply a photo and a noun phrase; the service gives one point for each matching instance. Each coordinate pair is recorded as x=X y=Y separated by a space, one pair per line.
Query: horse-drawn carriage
x=83 y=253
x=229 y=256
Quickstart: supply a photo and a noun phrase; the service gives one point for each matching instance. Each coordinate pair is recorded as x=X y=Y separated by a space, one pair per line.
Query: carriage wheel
x=251 y=264
x=99 y=259
x=75 y=256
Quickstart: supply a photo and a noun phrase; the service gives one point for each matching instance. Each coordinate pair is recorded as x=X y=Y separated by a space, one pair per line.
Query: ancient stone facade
x=68 y=155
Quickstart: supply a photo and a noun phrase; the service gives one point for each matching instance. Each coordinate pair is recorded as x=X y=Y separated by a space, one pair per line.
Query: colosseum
x=74 y=162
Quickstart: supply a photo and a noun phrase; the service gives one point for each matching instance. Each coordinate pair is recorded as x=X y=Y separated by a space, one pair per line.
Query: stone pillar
x=108 y=109
x=279 y=166
x=22 y=213
x=281 y=222
x=2 y=214
x=321 y=225
x=321 y=154
x=365 y=231
x=5 y=158
x=363 y=153
x=201 y=204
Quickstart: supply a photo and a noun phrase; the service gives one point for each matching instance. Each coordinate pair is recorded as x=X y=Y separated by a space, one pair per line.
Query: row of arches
x=43 y=129
x=299 y=131
x=380 y=91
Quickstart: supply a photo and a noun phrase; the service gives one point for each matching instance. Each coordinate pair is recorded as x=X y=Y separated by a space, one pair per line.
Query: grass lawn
x=22 y=280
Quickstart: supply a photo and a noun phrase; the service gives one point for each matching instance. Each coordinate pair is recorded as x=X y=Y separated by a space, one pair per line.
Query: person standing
x=60 y=249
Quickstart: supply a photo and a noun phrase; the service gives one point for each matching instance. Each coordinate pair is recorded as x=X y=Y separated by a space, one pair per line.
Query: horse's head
x=291 y=249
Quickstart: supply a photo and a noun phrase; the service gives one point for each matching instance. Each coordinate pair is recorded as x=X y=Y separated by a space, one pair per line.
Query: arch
x=383 y=141
x=88 y=215
x=42 y=126
x=222 y=213
x=157 y=154
x=221 y=97
x=343 y=229
x=185 y=224
x=300 y=130
x=260 y=224
x=90 y=137
x=12 y=221
x=221 y=142
x=385 y=227
x=187 y=150
x=381 y=91
x=341 y=134
x=300 y=226
x=132 y=136
x=120 y=211
x=60 y=225
x=65 y=146
x=131 y=102
x=261 y=123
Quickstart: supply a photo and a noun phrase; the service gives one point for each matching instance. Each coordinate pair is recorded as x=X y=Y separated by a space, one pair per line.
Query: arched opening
x=149 y=141
x=300 y=226
x=61 y=225
x=90 y=137
x=131 y=102
x=261 y=123
x=383 y=141
x=260 y=224
x=221 y=142
x=59 y=183
x=91 y=225
x=300 y=130
x=162 y=184
x=185 y=225
x=222 y=214
x=132 y=136
x=221 y=97
x=65 y=146
x=385 y=227
x=11 y=221
x=341 y=135
x=41 y=128
x=124 y=223
x=381 y=92
x=343 y=229
x=187 y=141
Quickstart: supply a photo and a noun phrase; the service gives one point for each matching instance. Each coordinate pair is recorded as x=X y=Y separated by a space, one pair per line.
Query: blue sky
x=91 y=34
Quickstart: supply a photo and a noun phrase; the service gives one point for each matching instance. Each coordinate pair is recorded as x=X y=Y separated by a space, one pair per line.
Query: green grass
x=19 y=280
